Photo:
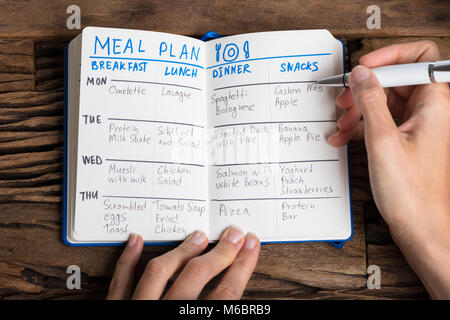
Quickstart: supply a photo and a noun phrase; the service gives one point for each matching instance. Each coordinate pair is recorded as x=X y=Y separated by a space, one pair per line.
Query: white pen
x=400 y=75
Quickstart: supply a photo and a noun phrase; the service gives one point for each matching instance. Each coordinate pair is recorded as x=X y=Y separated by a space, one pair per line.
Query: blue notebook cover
x=208 y=36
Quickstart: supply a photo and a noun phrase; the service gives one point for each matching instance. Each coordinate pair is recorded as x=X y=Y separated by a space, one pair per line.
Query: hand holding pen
x=409 y=164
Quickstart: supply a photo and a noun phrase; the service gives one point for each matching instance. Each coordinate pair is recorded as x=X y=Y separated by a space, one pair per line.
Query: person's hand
x=409 y=165
x=233 y=250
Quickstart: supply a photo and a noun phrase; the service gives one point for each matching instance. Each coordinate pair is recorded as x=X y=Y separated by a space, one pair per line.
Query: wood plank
x=28 y=99
x=30 y=172
x=48 y=18
x=16 y=55
x=30 y=121
x=31 y=125
x=34 y=124
x=16 y=82
x=51 y=140
x=50 y=109
x=50 y=64
x=16 y=65
x=23 y=160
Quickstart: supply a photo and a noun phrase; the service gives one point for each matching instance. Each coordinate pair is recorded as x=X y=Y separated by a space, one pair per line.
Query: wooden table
x=33 y=258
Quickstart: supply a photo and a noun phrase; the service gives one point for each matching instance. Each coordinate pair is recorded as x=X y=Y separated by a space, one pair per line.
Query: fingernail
x=132 y=240
x=197 y=238
x=332 y=137
x=339 y=122
x=233 y=235
x=251 y=240
x=360 y=73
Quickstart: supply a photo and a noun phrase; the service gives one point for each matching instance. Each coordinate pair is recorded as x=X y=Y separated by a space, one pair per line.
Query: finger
x=341 y=138
x=349 y=119
x=372 y=102
x=345 y=99
x=233 y=283
x=396 y=103
x=419 y=51
x=122 y=281
x=160 y=269
x=200 y=270
x=428 y=112
x=352 y=115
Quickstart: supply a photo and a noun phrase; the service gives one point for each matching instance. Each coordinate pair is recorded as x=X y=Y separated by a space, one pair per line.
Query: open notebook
x=166 y=134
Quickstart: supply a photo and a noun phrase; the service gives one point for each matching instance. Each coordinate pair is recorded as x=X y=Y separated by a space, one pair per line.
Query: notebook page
x=272 y=170
x=141 y=160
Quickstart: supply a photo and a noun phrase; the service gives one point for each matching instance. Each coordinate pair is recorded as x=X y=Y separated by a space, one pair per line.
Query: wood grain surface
x=42 y=18
x=33 y=258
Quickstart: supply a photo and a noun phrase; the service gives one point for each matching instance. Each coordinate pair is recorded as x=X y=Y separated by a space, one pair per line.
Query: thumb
x=370 y=99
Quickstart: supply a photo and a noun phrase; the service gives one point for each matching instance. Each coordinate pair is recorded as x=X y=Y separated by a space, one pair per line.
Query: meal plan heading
x=180 y=59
